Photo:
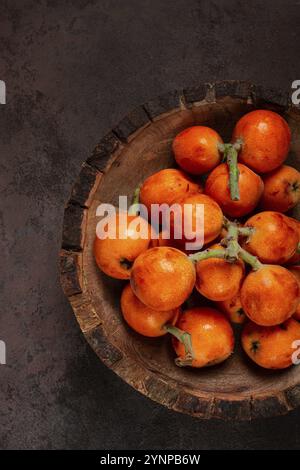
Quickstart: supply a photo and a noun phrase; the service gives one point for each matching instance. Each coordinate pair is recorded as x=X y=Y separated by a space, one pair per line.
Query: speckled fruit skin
x=271 y=347
x=281 y=190
x=211 y=335
x=165 y=186
x=109 y=253
x=266 y=139
x=295 y=224
x=216 y=279
x=250 y=187
x=196 y=149
x=233 y=309
x=213 y=218
x=142 y=319
x=274 y=239
x=163 y=278
x=270 y=295
x=296 y=271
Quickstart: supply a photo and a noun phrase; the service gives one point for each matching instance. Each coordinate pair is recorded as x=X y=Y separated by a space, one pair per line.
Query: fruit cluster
x=248 y=269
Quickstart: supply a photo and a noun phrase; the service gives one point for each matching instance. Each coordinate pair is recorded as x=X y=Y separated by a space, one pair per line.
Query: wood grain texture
x=293 y=396
x=104 y=151
x=108 y=353
x=268 y=406
x=73 y=227
x=85 y=313
x=163 y=104
x=131 y=124
x=71 y=272
x=139 y=146
x=269 y=97
x=85 y=186
x=200 y=407
x=233 y=88
x=196 y=93
x=234 y=409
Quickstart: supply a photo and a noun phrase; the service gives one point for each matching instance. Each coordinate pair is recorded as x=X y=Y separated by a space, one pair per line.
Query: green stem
x=226 y=222
x=135 y=201
x=243 y=231
x=238 y=144
x=186 y=339
x=231 y=154
x=246 y=231
x=250 y=259
x=231 y=240
x=221 y=147
x=206 y=254
x=233 y=250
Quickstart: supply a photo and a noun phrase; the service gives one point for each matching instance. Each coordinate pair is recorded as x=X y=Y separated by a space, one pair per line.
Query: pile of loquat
x=249 y=267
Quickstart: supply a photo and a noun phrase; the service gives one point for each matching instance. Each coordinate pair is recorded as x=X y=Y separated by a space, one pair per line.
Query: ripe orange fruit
x=162 y=278
x=233 y=309
x=296 y=271
x=295 y=224
x=270 y=295
x=115 y=256
x=282 y=189
x=211 y=335
x=265 y=137
x=165 y=186
x=144 y=320
x=217 y=279
x=250 y=188
x=213 y=219
x=196 y=149
x=274 y=239
x=271 y=347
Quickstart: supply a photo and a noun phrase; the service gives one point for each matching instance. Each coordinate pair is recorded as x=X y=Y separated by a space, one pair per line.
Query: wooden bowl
x=136 y=148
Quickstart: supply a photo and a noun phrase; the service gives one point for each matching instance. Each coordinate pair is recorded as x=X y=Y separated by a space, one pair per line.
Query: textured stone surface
x=73 y=69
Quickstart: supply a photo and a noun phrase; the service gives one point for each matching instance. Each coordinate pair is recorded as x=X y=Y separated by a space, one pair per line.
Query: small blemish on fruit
x=255 y=345
x=126 y=263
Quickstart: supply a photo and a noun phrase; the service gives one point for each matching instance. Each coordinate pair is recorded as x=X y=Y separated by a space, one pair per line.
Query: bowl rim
x=71 y=271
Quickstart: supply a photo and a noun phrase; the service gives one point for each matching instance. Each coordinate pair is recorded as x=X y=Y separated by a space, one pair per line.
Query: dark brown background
x=72 y=70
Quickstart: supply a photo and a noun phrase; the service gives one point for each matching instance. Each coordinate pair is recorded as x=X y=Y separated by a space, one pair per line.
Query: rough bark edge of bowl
x=75 y=217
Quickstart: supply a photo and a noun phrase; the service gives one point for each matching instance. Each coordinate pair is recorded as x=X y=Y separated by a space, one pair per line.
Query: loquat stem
x=206 y=254
x=186 y=339
x=133 y=209
x=231 y=241
x=238 y=144
x=226 y=222
x=221 y=147
x=250 y=259
x=233 y=250
x=243 y=231
x=246 y=231
x=231 y=154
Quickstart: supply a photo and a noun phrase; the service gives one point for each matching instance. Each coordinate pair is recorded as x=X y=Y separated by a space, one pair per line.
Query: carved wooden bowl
x=136 y=148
